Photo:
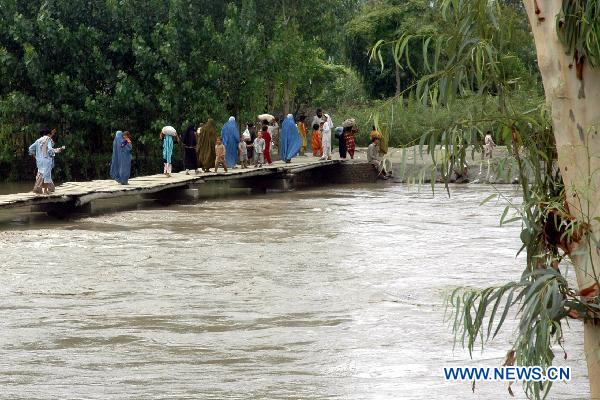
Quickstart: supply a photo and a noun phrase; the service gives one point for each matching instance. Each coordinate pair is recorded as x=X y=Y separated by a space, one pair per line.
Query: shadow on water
x=25 y=217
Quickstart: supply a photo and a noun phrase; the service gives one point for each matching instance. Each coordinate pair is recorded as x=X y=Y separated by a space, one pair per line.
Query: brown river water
x=330 y=293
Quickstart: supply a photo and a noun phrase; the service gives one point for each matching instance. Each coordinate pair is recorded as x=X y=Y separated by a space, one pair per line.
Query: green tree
x=241 y=80
x=383 y=20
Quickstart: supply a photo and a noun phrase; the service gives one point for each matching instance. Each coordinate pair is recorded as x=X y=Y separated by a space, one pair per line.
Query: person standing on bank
x=168 y=134
x=290 y=142
x=207 y=138
x=43 y=150
x=120 y=165
x=230 y=136
x=190 y=159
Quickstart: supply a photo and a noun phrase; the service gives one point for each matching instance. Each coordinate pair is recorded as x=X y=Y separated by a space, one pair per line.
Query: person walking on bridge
x=221 y=154
x=120 y=165
x=349 y=136
x=230 y=135
x=315 y=140
x=326 y=137
x=267 y=138
x=205 y=146
x=43 y=150
x=302 y=131
x=190 y=160
x=290 y=142
x=259 y=150
x=168 y=134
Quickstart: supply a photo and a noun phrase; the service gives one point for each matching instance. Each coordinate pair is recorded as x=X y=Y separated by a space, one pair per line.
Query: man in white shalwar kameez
x=326 y=137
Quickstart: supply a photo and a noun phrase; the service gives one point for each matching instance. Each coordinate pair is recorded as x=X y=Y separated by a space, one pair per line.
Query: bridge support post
x=63 y=210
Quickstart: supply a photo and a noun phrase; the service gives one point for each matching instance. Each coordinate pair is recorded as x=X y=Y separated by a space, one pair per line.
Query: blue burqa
x=290 y=142
x=120 y=166
x=230 y=135
x=43 y=150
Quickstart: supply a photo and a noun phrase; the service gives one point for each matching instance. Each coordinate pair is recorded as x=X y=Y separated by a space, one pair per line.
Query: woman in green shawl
x=205 y=147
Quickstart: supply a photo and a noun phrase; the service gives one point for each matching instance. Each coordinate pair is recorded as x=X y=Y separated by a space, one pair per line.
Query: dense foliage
x=90 y=68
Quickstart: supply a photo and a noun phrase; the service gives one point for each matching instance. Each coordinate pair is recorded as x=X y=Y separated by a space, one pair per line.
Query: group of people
x=204 y=149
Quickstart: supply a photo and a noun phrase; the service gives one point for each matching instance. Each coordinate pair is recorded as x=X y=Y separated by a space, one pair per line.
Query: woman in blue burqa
x=230 y=135
x=290 y=140
x=120 y=166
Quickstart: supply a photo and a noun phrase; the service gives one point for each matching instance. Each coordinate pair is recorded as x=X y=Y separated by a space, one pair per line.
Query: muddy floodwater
x=333 y=293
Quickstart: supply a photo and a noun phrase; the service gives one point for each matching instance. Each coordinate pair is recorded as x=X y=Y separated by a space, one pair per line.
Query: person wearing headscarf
x=348 y=133
x=302 y=131
x=248 y=139
x=230 y=135
x=120 y=165
x=290 y=141
x=267 y=138
x=168 y=135
x=205 y=145
x=43 y=150
x=189 y=141
x=250 y=144
x=339 y=133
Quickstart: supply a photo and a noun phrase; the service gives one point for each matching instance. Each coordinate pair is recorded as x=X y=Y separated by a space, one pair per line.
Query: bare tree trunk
x=286 y=98
x=575 y=115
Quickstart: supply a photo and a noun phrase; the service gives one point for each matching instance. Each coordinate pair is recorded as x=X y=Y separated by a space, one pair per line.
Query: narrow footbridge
x=77 y=194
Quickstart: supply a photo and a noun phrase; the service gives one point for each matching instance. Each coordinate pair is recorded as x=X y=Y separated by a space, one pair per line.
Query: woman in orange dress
x=316 y=141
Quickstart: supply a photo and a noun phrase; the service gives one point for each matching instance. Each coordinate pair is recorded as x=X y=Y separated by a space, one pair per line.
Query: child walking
x=259 y=150
x=302 y=131
x=220 y=153
x=243 y=152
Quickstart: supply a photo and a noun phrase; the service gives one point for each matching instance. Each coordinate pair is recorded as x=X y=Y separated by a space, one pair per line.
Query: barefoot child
x=220 y=155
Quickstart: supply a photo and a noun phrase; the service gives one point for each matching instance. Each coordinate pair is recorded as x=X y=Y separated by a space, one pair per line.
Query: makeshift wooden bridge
x=75 y=195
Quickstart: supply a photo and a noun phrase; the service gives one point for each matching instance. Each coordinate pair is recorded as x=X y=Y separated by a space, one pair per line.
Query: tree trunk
x=398 y=81
x=575 y=110
x=286 y=98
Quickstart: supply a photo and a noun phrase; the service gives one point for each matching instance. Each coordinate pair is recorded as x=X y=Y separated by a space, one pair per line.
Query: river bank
x=415 y=165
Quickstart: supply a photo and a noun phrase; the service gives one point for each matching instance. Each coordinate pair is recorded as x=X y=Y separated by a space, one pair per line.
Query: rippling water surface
x=319 y=294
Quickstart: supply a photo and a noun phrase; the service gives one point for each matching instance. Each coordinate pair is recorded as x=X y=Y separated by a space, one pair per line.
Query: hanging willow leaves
x=578 y=27
x=470 y=56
